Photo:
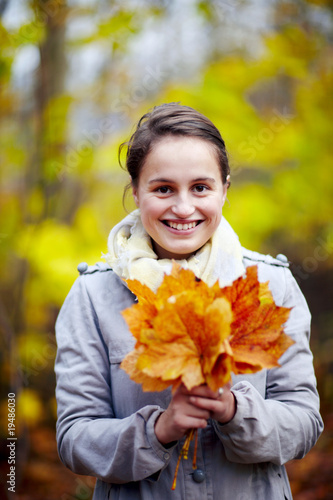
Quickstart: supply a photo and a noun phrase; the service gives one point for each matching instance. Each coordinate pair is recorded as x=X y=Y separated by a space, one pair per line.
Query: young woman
x=129 y=439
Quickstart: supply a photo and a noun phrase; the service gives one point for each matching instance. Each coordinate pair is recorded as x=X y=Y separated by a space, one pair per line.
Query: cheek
x=213 y=208
x=150 y=210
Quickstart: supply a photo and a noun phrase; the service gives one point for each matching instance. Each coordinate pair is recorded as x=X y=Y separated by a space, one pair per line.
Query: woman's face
x=180 y=195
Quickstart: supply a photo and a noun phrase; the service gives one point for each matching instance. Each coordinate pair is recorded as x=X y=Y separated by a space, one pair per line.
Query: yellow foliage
x=36 y=351
x=54 y=250
x=29 y=410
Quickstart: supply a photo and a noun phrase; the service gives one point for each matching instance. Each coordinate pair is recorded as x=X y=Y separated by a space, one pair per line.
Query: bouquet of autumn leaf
x=188 y=332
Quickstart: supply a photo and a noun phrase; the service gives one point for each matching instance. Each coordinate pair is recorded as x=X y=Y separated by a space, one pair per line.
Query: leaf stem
x=192 y=433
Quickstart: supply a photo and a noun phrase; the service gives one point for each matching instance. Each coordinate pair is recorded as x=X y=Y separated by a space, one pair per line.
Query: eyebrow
x=169 y=181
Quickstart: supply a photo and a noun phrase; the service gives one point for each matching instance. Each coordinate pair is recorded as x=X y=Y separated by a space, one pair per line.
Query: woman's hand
x=191 y=410
x=221 y=407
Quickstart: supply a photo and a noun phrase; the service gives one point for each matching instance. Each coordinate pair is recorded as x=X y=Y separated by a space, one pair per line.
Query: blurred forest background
x=75 y=76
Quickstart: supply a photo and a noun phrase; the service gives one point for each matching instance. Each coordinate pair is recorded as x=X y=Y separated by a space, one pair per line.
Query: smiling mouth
x=181 y=227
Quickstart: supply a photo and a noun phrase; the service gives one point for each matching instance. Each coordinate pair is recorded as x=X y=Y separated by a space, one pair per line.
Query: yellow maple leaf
x=190 y=333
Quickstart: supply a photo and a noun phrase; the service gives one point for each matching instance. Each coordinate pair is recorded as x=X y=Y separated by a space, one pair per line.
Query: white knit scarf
x=131 y=255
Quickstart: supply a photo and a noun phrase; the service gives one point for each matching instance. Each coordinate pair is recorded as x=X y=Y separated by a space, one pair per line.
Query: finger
x=181 y=405
x=221 y=410
x=223 y=391
x=208 y=404
x=197 y=411
x=203 y=391
x=194 y=423
x=184 y=421
x=186 y=408
x=206 y=392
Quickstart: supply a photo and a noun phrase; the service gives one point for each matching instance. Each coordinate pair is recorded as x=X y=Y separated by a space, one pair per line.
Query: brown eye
x=200 y=188
x=163 y=189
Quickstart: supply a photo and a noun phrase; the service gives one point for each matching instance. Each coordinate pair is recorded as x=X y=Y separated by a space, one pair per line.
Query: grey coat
x=106 y=423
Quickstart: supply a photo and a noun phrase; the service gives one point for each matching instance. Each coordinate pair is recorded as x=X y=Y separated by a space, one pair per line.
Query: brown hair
x=171 y=119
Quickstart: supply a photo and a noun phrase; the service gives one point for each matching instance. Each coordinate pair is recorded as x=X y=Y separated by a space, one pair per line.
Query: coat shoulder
x=99 y=267
x=250 y=257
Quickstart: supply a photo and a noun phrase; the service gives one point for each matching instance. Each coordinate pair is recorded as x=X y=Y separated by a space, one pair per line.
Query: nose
x=183 y=206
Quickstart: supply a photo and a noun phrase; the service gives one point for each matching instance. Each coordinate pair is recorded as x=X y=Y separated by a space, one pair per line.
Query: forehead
x=180 y=142
x=181 y=154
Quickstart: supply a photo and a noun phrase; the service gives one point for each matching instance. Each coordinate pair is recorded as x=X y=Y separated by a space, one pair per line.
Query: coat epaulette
x=83 y=268
x=280 y=260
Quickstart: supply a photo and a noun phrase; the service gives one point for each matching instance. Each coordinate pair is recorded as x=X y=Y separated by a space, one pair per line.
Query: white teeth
x=181 y=227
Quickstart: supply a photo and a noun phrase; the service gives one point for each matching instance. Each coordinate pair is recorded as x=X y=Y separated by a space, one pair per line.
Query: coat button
x=198 y=476
x=282 y=257
x=82 y=267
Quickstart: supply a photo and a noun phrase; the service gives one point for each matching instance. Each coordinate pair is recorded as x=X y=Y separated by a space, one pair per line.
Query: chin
x=182 y=254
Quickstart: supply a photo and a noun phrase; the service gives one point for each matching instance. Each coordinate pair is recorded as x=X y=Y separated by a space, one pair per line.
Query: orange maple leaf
x=194 y=334
x=190 y=333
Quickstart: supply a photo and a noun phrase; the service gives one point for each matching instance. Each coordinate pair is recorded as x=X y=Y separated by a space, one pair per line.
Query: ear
x=225 y=189
x=135 y=194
